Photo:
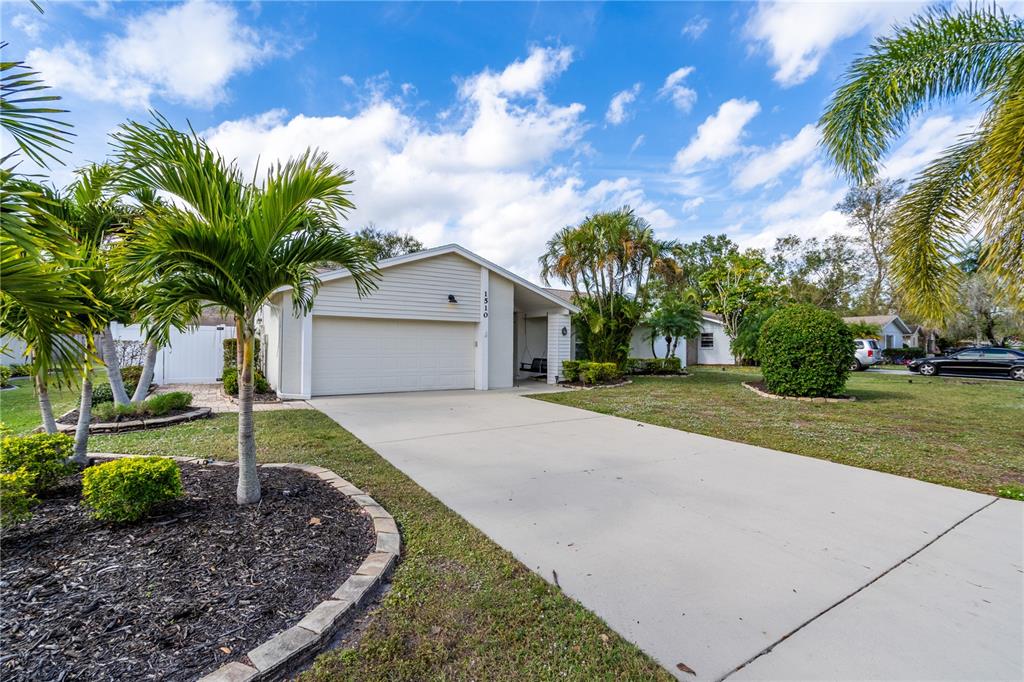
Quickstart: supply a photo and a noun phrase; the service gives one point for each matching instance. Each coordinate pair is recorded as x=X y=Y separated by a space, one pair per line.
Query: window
x=859 y=344
x=969 y=355
x=889 y=341
x=707 y=340
x=999 y=354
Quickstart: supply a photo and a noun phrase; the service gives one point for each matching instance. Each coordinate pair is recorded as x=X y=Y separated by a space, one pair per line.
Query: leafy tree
x=608 y=261
x=225 y=242
x=738 y=284
x=976 y=186
x=696 y=258
x=384 y=244
x=869 y=208
x=674 y=318
x=864 y=330
x=826 y=273
x=749 y=333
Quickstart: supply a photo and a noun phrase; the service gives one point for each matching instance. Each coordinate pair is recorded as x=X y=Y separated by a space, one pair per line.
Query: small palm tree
x=227 y=243
x=976 y=187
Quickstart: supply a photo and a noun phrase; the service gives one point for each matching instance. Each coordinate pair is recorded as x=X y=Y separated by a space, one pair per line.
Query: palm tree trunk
x=148 y=367
x=654 y=352
x=82 y=428
x=248 y=478
x=109 y=351
x=45 y=408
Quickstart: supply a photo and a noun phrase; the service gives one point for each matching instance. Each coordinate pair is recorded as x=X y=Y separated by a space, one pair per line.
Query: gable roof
x=468 y=255
x=881 y=321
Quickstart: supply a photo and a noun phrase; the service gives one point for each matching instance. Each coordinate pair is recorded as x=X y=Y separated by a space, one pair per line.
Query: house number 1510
x=485 y=304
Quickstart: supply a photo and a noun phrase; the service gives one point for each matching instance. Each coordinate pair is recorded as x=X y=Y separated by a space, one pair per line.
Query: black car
x=989 y=362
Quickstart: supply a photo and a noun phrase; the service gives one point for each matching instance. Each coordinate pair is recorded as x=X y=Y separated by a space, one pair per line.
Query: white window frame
x=709 y=336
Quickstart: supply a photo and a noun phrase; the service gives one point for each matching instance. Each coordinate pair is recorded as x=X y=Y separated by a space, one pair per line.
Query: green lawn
x=460 y=607
x=962 y=433
x=19 y=409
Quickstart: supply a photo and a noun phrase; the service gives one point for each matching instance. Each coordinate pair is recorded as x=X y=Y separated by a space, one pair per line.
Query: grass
x=460 y=607
x=19 y=409
x=960 y=433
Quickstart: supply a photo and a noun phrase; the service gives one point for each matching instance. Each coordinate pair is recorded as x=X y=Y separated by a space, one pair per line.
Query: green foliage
x=605 y=328
x=19 y=370
x=131 y=374
x=900 y=355
x=231 y=353
x=102 y=393
x=738 y=284
x=128 y=489
x=16 y=496
x=976 y=52
x=673 y=319
x=805 y=351
x=43 y=455
x=749 y=333
x=382 y=244
x=864 y=330
x=1012 y=491
x=156 y=406
x=672 y=365
x=599 y=372
x=571 y=370
x=230 y=382
x=5 y=376
x=696 y=259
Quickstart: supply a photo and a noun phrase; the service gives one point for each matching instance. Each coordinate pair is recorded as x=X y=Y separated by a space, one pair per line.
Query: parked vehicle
x=867 y=353
x=983 y=361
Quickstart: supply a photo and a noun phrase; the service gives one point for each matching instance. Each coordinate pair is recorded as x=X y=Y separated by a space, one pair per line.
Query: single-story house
x=443 y=318
x=894 y=330
x=922 y=337
x=712 y=347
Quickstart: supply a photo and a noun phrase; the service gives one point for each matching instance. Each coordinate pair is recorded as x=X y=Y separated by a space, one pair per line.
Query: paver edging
x=135 y=424
x=773 y=396
x=292 y=644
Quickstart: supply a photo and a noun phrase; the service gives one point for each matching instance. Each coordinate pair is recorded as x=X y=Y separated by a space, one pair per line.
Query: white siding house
x=710 y=348
x=895 y=332
x=443 y=318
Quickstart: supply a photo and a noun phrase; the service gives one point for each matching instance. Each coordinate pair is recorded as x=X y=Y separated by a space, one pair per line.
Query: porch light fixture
x=451 y=298
x=565 y=332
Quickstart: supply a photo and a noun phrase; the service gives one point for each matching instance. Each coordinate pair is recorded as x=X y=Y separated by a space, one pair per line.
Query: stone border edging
x=766 y=394
x=136 y=424
x=567 y=387
x=292 y=644
x=234 y=401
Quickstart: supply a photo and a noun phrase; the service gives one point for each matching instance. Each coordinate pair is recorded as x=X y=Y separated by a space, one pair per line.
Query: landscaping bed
x=762 y=390
x=71 y=417
x=180 y=593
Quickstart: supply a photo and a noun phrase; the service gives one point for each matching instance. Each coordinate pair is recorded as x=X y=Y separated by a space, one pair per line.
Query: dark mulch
x=72 y=417
x=177 y=595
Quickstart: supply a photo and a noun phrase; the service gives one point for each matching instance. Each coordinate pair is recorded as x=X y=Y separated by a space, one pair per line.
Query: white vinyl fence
x=194 y=357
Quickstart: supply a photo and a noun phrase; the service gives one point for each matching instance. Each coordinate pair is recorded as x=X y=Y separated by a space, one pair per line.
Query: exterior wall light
x=451 y=298
x=565 y=332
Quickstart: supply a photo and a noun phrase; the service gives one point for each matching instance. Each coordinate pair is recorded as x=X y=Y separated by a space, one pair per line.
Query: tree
x=384 y=244
x=826 y=273
x=738 y=284
x=976 y=186
x=674 y=318
x=228 y=243
x=864 y=330
x=696 y=258
x=607 y=260
x=869 y=208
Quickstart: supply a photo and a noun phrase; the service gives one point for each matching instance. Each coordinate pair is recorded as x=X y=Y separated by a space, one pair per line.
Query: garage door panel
x=357 y=355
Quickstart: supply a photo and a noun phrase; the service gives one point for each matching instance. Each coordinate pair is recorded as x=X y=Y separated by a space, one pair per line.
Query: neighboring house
x=442 y=318
x=712 y=347
x=12 y=351
x=922 y=337
x=894 y=330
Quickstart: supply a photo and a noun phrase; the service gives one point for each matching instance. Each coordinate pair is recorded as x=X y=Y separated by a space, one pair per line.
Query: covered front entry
x=361 y=355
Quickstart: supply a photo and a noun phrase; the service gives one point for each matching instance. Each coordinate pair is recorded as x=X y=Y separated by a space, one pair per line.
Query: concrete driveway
x=734 y=560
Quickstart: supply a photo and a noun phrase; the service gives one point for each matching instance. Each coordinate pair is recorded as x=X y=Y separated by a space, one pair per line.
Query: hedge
x=231 y=352
x=5 y=376
x=43 y=455
x=805 y=351
x=654 y=366
x=900 y=355
x=156 y=406
x=230 y=382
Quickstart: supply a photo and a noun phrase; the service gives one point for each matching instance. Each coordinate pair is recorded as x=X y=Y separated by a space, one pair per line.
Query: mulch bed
x=760 y=386
x=179 y=594
x=72 y=417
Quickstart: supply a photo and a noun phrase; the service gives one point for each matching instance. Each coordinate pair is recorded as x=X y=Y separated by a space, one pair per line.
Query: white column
x=482 y=332
x=306 y=356
x=559 y=343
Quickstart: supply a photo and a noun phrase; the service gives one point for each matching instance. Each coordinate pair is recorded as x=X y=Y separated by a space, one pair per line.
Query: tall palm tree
x=224 y=242
x=976 y=186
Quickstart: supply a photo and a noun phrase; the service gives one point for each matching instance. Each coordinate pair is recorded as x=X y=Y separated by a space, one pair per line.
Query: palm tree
x=976 y=187
x=224 y=242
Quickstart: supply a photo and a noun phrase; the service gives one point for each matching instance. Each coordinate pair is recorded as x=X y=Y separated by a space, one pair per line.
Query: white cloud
x=673 y=88
x=96 y=10
x=692 y=205
x=488 y=179
x=923 y=143
x=637 y=143
x=184 y=52
x=347 y=80
x=617 y=109
x=765 y=167
x=29 y=23
x=797 y=35
x=719 y=135
x=695 y=27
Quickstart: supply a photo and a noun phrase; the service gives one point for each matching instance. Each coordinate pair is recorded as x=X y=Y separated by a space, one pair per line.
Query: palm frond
x=26 y=114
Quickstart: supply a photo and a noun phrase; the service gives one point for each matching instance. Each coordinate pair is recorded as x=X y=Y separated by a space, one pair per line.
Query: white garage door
x=354 y=355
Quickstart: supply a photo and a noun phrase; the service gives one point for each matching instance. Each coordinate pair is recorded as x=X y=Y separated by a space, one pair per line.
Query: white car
x=867 y=353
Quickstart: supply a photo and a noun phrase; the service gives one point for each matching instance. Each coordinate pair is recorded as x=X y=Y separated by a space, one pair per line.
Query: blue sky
x=493 y=125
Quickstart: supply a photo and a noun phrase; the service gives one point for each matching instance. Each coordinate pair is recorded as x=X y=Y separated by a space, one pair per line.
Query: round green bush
x=805 y=351
x=128 y=489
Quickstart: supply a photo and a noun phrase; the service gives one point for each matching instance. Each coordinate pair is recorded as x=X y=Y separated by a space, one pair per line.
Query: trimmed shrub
x=571 y=370
x=20 y=370
x=102 y=393
x=43 y=455
x=805 y=351
x=598 y=372
x=131 y=375
x=5 y=376
x=231 y=352
x=161 y=404
x=230 y=382
x=128 y=489
x=16 y=496
x=671 y=365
